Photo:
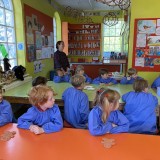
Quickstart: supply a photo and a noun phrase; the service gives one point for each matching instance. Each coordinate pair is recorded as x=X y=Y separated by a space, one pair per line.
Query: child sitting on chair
x=6 y=114
x=44 y=116
x=105 y=116
x=132 y=76
x=140 y=108
x=76 y=103
x=39 y=81
x=104 y=78
x=61 y=76
x=80 y=71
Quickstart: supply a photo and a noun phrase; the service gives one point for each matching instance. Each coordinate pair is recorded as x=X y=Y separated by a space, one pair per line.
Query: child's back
x=76 y=103
x=156 y=83
x=140 y=109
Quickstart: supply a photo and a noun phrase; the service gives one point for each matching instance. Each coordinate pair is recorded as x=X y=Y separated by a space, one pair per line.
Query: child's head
x=140 y=85
x=132 y=72
x=80 y=70
x=41 y=96
x=59 y=72
x=78 y=81
x=108 y=100
x=39 y=81
x=103 y=73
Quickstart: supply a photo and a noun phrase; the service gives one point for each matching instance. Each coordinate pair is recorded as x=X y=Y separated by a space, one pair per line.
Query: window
x=7 y=32
x=112 y=38
x=55 y=33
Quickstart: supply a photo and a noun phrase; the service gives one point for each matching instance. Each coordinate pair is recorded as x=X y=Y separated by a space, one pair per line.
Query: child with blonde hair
x=132 y=76
x=76 y=103
x=104 y=117
x=44 y=116
x=80 y=71
x=140 y=108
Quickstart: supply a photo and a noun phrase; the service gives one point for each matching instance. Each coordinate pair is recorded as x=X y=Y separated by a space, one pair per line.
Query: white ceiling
x=86 y=5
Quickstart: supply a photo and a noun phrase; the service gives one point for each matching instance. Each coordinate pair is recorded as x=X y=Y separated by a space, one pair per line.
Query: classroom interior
x=58 y=22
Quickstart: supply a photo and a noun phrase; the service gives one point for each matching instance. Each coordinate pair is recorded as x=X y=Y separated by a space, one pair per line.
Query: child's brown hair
x=39 y=94
x=103 y=71
x=131 y=71
x=39 y=81
x=77 y=80
x=139 y=85
x=103 y=98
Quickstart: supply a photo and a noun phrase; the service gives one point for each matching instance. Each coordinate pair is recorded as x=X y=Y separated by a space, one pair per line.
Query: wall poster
x=146 y=46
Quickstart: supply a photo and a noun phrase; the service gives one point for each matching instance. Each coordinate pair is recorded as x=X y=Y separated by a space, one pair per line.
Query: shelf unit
x=84 y=39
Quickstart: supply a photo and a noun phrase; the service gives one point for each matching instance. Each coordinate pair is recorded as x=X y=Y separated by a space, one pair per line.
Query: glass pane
x=117 y=40
x=119 y=24
x=7 y=4
x=13 y=62
x=10 y=34
x=12 y=51
x=106 y=40
x=112 y=48
x=3 y=34
x=112 y=32
x=2 y=17
x=117 y=48
x=118 y=32
x=9 y=18
x=1 y=3
x=112 y=40
x=106 y=48
x=106 y=32
x=6 y=47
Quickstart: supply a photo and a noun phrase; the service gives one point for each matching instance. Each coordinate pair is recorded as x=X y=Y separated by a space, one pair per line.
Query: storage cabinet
x=84 y=39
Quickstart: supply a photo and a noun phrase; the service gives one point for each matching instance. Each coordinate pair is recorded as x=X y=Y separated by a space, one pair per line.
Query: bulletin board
x=146 y=46
x=39 y=34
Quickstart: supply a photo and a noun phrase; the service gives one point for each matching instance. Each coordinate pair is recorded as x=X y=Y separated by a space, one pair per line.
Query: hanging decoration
x=122 y=4
x=110 y=19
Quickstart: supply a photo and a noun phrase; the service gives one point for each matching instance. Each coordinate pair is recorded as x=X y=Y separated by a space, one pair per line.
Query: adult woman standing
x=60 y=58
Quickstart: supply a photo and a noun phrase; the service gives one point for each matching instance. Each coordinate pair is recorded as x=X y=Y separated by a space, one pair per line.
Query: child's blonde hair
x=103 y=98
x=39 y=95
x=131 y=71
x=77 y=80
x=79 y=68
x=139 y=85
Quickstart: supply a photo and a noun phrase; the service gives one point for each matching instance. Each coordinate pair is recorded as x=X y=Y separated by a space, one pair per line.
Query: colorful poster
x=141 y=40
x=146 y=26
x=38 y=40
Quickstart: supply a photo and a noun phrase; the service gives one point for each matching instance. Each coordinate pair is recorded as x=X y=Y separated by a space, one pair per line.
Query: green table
x=19 y=94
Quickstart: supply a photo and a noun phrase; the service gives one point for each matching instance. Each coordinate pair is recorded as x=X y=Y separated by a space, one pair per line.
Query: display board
x=146 y=46
x=39 y=34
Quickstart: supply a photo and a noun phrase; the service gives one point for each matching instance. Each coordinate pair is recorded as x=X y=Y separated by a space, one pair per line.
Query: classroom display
x=84 y=39
x=146 y=48
x=39 y=34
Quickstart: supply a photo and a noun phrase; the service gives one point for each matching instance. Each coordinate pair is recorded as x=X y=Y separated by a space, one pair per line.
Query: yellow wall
x=44 y=7
x=143 y=9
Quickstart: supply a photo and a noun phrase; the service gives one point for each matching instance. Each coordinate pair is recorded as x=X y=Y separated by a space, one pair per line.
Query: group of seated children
x=44 y=116
x=103 y=78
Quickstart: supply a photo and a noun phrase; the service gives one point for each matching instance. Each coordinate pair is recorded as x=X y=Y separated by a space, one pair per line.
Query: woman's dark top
x=61 y=60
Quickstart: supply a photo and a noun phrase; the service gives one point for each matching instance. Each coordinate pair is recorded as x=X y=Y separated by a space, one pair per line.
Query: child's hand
x=36 y=129
x=109 y=84
x=128 y=78
x=114 y=125
x=102 y=84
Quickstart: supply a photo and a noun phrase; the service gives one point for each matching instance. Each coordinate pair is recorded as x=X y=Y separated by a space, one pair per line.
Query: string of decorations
x=122 y=4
